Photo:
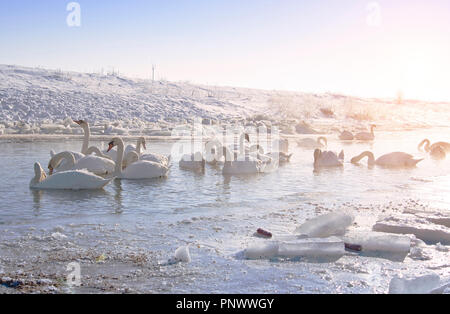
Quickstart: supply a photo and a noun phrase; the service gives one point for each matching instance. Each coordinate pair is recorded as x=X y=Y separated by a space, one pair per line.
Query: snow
x=415 y=285
x=332 y=224
x=41 y=101
x=182 y=254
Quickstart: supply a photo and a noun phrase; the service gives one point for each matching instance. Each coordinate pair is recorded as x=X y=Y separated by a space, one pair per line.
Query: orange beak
x=77 y=122
x=50 y=171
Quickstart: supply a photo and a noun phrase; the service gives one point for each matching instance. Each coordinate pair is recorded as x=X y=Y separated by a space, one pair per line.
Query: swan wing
x=95 y=164
x=397 y=159
x=160 y=159
x=144 y=170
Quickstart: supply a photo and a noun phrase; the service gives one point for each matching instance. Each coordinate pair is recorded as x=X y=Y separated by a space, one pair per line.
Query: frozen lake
x=123 y=236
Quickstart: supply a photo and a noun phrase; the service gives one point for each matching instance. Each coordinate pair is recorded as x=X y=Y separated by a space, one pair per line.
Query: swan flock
x=93 y=168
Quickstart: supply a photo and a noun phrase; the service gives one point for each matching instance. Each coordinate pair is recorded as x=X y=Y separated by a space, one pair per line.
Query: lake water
x=218 y=215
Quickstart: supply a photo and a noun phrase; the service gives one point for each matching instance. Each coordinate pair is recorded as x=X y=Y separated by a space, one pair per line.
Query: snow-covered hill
x=34 y=100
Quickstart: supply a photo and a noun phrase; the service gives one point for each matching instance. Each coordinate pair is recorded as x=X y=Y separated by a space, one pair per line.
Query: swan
x=95 y=150
x=67 y=180
x=194 y=162
x=139 y=170
x=366 y=136
x=438 y=152
x=346 y=136
x=282 y=157
x=445 y=146
x=234 y=166
x=321 y=142
x=328 y=159
x=212 y=153
x=392 y=160
x=84 y=149
x=160 y=159
x=94 y=164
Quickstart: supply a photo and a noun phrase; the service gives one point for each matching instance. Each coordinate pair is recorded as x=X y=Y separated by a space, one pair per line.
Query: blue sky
x=314 y=46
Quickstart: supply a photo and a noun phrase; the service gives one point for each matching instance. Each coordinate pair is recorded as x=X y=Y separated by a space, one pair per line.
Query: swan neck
x=322 y=139
x=369 y=155
x=427 y=144
x=95 y=150
x=120 y=150
x=87 y=135
x=64 y=155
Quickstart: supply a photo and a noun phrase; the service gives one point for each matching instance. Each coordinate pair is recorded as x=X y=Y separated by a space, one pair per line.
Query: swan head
x=112 y=144
x=142 y=140
x=80 y=122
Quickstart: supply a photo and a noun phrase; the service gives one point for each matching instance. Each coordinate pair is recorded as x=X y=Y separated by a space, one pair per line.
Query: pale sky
x=356 y=47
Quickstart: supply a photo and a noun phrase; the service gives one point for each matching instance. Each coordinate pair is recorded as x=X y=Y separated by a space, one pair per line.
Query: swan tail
x=414 y=162
x=52 y=153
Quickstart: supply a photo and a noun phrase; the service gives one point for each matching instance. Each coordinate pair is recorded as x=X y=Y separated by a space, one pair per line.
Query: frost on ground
x=38 y=101
x=123 y=259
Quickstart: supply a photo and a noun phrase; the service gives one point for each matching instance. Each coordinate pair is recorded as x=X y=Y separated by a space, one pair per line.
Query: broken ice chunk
x=410 y=224
x=182 y=254
x=333 y=224
x=315 y=248
x=379 y=242
x=262 y=250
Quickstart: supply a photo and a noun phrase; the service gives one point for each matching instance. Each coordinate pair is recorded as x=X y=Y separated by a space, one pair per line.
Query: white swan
x=84 y=148
x=94 y=164
x=213 y=154
x=139 y=170
x=328 y=159
x=282 y=157
x=67 y=180
x=438 y=150
x=194 y=162
x=366 y=136
x=392 y=160
x=346 y=136
x=160 y=159
x=310 y=143
x=233 y=165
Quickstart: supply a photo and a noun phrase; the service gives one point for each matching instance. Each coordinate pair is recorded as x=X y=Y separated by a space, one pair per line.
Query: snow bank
x=31 y=98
